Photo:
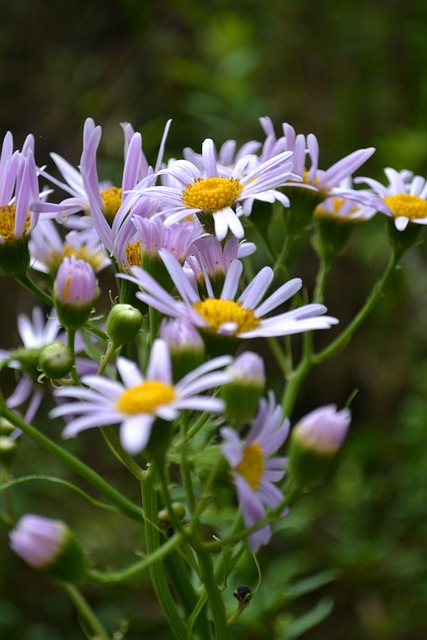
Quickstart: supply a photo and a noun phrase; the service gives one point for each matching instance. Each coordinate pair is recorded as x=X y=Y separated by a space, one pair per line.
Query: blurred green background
x=355 y=75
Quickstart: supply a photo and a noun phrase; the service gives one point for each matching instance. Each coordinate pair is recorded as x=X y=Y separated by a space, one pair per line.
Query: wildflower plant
x=172 y=371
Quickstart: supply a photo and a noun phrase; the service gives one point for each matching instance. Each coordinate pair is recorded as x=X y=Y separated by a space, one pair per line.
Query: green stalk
x=138 y=567
x=344 y=338
x=123 y=504
x=86 y=612
x=157 y=575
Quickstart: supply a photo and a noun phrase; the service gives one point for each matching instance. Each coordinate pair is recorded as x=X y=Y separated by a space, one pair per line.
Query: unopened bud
x=247 y=384
x=164 y=517
x=75 y=291
x=123 y=323
x=314 y=442
x=186 y=346
x=56 y=360
x=50 y=546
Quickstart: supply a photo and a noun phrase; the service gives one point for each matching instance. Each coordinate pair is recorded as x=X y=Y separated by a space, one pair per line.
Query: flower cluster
x=179 y=357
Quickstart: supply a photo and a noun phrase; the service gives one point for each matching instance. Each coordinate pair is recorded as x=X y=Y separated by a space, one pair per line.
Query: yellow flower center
x=251 y=466
x=337 y=203
x=211 y=194
x=217 y=312
x=7 y=222
x=112 y=199
x=133 y=254
x=407 y=205
x=95 y=258
x=145 y=397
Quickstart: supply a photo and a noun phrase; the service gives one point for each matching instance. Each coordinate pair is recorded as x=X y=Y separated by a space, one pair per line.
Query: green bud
x=56 y=360
x=6 y=427
x=179 y=511
x=123 y=323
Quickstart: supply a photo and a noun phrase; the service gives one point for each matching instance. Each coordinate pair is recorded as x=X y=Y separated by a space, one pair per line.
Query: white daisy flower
x=138 y=400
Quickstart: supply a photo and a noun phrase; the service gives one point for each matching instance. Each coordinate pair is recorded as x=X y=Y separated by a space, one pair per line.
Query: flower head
x=404 y=199
x=218 y=198
x=35 y=333
x=226 y=315
x=74 y=291
x=138 y=400
x=255 y=472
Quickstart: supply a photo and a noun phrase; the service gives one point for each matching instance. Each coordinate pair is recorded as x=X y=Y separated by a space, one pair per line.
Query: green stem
x=115 y=446
x=216 y=602
x=344 y=338
x=71 y=336
x=111 y=348
x=130 y=572
x=31 y=286
x=296 y=378
x=86 y=612
x=124 y=505
x=156 y=570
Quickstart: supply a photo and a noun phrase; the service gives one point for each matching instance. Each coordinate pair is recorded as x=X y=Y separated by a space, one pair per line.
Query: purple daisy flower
x=225 y=315
x=255 y=472
x=208 y=192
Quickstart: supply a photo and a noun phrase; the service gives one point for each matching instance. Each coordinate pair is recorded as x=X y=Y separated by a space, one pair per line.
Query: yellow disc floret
x=407 y=205
x=133 y=254
x=112 y=199
x=251 y=466
x=7 y=222
x=217 y=312
x=211 y=194
x=145 y=397
x=94 y=257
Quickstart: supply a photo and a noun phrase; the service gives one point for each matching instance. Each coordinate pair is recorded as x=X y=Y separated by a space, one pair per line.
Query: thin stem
x=152 y=537
x=115 y=446
x=125 y=574
x=86 y=612
x=344 y=338
x=123 y=504
x=31 y=286
x=71 y=336
x=111 y=348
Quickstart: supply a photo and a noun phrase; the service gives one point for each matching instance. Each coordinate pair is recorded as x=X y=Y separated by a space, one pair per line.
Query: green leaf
x=301 y=625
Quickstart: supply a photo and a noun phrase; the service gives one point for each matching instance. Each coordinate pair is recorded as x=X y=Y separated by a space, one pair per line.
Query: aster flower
x=404 y=199
x=18 y=187
x=35 y=333
x=138 y=400
x=225 y=315
x=255 y=472
x=87 y=193
x=139 y=236
x=48 y=249
x=213 y=196
x=341 y=209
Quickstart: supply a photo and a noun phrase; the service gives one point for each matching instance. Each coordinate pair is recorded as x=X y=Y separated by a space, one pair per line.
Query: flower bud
x=8 y=448
x=75 y=291
x=50 y=546
x=186 y=346
x=247 y=384
x=55 y=360
x=314 y=442
x=6 y=427
x=123 y=323
x=179 y=511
